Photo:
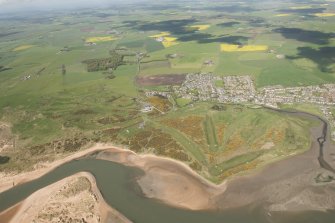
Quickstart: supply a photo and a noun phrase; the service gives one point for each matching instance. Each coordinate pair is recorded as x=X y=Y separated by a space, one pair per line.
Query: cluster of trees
x=219 y=107
x=2 y=68
x=63 y=69
x=111 y=62
x=4 y=159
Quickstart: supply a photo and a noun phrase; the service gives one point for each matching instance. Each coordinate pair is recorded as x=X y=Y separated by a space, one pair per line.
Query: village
x=241 y=89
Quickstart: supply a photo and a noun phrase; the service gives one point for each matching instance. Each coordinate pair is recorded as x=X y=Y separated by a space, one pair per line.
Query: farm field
x=100 y=39
x=71 y=79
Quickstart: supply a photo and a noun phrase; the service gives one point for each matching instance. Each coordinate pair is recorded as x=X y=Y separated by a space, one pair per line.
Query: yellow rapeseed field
x=168 y=40
x=282 y=15
x=100 y=39
x=162 y=34
x=167 y=44
x=324 y=14
x=200 y=27
x=247 y=48
x=23 y=47
x=301 y=7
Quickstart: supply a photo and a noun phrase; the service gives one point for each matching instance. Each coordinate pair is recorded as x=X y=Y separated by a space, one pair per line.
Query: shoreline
x=10 y=180
x=26 y=210
x=168 y=180
x=10 y=213
x=142 y=161
x=151 y=165
x=175 y=183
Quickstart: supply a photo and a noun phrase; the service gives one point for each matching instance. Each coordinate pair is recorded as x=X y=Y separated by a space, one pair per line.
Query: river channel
x=118 y=186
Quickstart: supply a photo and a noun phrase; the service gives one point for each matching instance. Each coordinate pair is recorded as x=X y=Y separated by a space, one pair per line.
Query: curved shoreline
x=237 y=192
x=148 y=163
x=322 y=139
x=288 y=182
x=26 y=210
x=170 y=181
x=10 y=180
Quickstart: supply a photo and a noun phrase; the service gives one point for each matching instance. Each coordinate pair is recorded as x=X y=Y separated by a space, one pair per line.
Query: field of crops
x=100 y=39
x=54 y=105
x=238 y=48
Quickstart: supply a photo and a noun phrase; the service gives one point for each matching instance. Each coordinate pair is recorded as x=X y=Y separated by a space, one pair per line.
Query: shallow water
x=117 y=184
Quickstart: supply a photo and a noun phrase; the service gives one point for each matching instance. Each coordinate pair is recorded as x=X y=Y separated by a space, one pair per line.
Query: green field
x=55 y=106
x=239 y=131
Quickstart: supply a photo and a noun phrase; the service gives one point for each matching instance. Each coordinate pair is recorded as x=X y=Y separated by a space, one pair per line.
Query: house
x=208 y=63
x=90 y=44
x=147 y=108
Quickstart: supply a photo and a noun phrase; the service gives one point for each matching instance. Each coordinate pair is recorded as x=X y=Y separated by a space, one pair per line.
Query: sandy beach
x=286 y=185
x=46 y=204
x=168 y=180
x=10 y=179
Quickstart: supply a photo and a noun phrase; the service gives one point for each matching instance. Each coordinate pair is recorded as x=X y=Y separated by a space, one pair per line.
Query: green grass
x=211 y=134
x=251 y=129
x=190 y=146
x=286 y=73
x=181 y=102
x=230 y=65
x=50 y=106
x=313 y=109
x=219 y=83
x=234 y=162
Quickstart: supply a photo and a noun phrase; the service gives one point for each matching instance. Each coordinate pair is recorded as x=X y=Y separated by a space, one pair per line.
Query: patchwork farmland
x=74 y=82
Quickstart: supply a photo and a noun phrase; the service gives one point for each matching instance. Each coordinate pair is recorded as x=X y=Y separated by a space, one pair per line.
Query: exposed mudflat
x=286 y=185
x=292 y=185
x=168 y=180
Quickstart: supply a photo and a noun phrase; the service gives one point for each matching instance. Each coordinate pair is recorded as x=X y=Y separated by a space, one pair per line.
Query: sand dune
x=65 y=200
x=10 y=179
x=287 y=185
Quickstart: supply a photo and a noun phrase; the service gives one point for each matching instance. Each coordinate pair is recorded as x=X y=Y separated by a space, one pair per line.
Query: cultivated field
x=238 y=48
x=69 y=80
x=100 y=39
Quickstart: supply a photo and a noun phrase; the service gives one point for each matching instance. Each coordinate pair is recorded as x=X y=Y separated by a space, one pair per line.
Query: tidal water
x=118 y=186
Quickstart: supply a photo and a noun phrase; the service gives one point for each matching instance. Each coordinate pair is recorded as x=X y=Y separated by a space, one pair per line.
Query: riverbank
x=287 y=185
x=8 y=180
x=74 y=197
x=168 y=180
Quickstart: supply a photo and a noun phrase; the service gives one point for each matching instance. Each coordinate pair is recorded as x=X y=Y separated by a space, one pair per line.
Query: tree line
x=101 y=64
